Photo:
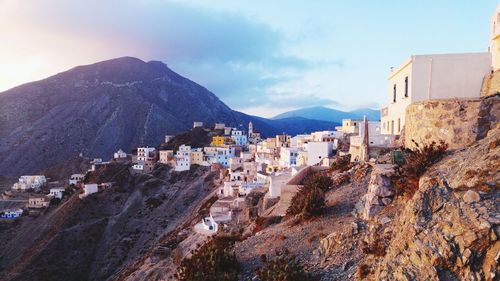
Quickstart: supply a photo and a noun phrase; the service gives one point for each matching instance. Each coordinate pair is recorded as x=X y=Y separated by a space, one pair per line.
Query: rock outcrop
x=380 y=190
x=449 y=230
x=459 y=122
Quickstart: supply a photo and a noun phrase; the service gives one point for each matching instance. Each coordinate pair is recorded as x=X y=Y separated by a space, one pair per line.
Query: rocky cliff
x=449 y=230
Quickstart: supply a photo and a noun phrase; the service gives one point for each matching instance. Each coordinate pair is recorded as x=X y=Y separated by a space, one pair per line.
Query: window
x=399 y=125
x=406 y=86
x=394 y=93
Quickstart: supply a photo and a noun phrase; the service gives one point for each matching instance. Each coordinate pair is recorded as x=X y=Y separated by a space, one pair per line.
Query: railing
x=384 y=111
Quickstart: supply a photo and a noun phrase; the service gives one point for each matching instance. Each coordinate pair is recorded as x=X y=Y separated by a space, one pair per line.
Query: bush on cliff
x=416 y=162
x=282 y=268
x=214 y=261
x=310 y=199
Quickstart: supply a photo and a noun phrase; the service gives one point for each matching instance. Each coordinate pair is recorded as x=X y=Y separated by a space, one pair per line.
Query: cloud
x=243 y=61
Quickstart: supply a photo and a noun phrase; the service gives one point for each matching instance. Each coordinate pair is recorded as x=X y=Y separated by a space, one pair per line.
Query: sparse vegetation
x=341 y=163
x=213 y=261
x=282 y=268
x=309 y=200
x=320 y=181
x=417 y=161
x=264 y=222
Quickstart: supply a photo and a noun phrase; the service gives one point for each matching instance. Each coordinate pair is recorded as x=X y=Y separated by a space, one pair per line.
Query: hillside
x=91 y=239
x=329 y=114
x=99 y=108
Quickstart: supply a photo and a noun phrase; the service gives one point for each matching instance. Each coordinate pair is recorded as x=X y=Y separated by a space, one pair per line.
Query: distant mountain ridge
x=119 y=103
x=329 y=114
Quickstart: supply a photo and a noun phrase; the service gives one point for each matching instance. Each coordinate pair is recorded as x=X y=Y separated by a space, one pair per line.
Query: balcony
x=384 y=111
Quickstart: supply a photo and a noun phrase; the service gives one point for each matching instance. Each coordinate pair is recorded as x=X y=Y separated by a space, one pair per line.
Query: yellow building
x=218 y=141
x=495 y=39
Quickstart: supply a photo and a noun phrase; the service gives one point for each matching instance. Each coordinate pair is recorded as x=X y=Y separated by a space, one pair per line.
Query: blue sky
x=259 y=57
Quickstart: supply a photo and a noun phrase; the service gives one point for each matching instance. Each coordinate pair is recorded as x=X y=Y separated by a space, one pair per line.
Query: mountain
x=97 y=109
x=329 y=114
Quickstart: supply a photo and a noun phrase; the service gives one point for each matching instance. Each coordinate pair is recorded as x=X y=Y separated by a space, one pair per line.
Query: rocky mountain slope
x=99 y=108
x=93 y=238
x=329 y=114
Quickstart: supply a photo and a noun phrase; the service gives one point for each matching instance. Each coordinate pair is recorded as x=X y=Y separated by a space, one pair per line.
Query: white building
x=197 y=124
x=219 y=126
x=316 y=151
x=30 y=182
x=495 y=39
x=168 y=138
x=120 y=154
x=38 y=202
x=11 y=214
x=224 y=154
x=428 y=77
x=57 y=192
x=146 y=154
x=209 y=224
x=239 y=137
x=76 y=179
x=349 y=126
x=288 y=157
x=90 y=189
x=183 y=158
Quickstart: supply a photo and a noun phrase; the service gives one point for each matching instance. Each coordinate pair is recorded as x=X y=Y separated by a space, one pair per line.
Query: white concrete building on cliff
x=76 y=179
x=30 y=182
x=495 y=39
x=183 y=158
x=428 y=77
x=120 y=154
x=197 y=124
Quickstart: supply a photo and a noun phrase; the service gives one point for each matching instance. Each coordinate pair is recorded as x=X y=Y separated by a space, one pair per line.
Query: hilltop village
x=448 y=101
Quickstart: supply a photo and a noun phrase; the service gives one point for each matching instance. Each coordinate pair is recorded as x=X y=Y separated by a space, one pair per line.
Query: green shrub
x=341 y=163
x=282 y=268
x=214 y=261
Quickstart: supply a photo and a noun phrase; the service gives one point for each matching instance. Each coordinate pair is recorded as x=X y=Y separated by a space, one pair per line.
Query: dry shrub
x=283 y=268
x=417 y=161
x=307 y=203
x=320 y=181
x=363 y=271
x=264 y=222
x=214 y=261
x=341 y=163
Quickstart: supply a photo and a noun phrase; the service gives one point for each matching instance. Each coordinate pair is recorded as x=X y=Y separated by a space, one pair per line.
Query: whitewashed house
x=239 y=137
x=197 y=124
x=90 y=188
x=57 y=192
x=209 y=224
x=288 y=157
x=430 y=77
x=38 y=202
x=183 y=158
x=224 y=154
x=168 y=138
x=120 y=154
x=146 y=154
x=317 y=150
x=219 y=126
x=30 y=182
x=76 y=179
x=11 y=214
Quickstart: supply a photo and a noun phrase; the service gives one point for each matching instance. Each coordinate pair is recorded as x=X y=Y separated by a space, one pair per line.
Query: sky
x=259 y=57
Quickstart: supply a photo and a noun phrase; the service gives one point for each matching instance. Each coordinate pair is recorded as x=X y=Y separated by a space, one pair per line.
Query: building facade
x=428 y=77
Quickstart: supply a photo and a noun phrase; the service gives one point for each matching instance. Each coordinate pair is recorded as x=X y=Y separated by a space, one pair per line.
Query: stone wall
x=491 y=84
x=458 y=122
